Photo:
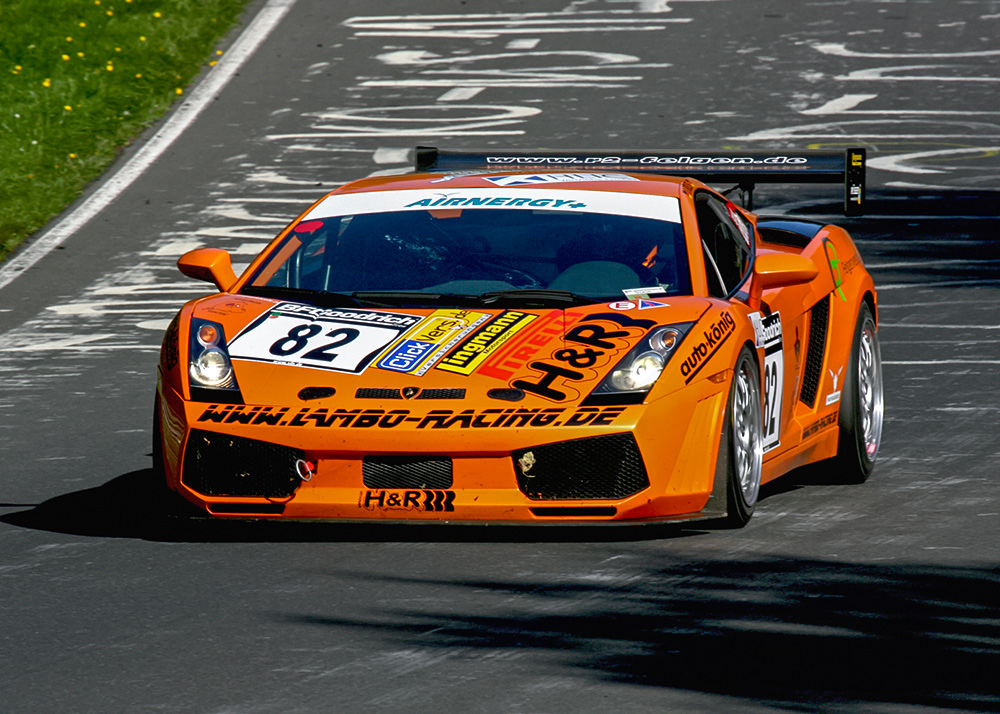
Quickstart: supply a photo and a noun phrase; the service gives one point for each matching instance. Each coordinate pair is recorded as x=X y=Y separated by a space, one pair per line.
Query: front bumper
x=518 y=465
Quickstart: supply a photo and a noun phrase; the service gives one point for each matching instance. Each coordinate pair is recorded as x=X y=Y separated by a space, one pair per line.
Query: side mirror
x=212 y=265
x=779 y=270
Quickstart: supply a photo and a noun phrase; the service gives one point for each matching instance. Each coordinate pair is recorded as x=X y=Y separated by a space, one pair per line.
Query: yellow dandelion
x=118 y=49
x=97 y=2
x=14 y=71
x=157 y=15
x=72 y=156
x=110 y=68
x=69 y=39
x=47 y=82
x=142 y=38
x=179 y=90
x=139 y=75
x=83 y=24
x=80 y=54
x=212 y=63
x=218 y=52
x=65 y=58
x=18 y=67
x=110 y=14
x=68 y=108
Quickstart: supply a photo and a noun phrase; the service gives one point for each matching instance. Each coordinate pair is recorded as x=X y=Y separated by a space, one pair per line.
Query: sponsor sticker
x=339 y=418
x=526 y=198
x=587 y=349
x=645 y=293
x=530 y=344
x=477 y=346
x=835 y=267
x=415 y=500
x=441 y=330
x=623 y=306
x=342 y=340
x=767 y=335
x=834 y=396
x=746 y=232
x=819 y=425
x=712 y=338
x=542 y=179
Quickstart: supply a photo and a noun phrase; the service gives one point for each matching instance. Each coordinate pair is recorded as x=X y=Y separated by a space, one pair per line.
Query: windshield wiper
x=535 y=297
x=318 y=297
x=410 y=298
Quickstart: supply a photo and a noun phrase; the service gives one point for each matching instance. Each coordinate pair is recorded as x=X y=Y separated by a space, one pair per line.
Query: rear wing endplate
x=745 y=168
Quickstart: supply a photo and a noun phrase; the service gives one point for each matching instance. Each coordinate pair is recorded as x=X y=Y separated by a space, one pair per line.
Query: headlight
x=212 y=368
x=640 y=373
x=641 y=367
x=209 y=365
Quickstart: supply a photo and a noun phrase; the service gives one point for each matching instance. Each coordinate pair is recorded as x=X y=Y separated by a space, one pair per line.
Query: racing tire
x=861 y=407
x=743 y=432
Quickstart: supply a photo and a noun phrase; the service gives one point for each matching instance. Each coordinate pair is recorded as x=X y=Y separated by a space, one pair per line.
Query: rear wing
x=745 y=168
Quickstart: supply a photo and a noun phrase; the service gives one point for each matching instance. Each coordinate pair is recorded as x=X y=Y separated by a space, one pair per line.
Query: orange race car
x=528 y=338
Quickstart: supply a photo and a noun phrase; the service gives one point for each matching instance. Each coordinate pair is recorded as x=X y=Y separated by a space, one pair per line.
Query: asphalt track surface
x=875 y=598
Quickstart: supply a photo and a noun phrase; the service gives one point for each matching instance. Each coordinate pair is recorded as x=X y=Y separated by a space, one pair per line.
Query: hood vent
x=310 y=393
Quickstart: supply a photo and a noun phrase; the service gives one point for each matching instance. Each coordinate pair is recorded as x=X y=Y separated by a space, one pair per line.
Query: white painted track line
x=181 y=118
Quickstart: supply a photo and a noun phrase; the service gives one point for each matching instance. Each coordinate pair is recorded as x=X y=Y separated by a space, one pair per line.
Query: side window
x=726 y=239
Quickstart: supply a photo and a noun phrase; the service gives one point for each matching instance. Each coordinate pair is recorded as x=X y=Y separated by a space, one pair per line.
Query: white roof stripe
x=660 y=208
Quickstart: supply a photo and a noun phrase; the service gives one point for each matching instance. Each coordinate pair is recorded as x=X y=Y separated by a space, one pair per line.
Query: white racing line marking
x=181 y=118
x=250 y=202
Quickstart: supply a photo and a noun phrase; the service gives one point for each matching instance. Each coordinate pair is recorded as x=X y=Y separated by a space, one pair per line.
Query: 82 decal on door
x=767 y=330
x=335 y=339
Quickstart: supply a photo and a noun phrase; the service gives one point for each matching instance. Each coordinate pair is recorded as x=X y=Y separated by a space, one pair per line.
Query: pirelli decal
x=326 y=418
x=478 y=346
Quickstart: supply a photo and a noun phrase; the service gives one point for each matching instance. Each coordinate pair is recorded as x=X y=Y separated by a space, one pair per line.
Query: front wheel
x=744 y=433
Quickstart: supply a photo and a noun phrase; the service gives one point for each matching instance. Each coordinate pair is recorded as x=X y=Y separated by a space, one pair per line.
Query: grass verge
x=79 y=80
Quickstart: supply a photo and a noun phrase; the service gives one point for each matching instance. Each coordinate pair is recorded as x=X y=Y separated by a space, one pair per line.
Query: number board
x=338 y=339
x=767 y=330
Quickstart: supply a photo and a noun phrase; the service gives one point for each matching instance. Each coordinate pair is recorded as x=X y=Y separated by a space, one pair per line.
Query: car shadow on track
x=134 y=505
x=796 y=634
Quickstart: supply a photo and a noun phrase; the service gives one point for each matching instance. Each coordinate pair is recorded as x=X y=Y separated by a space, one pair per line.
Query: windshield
x=438 y=256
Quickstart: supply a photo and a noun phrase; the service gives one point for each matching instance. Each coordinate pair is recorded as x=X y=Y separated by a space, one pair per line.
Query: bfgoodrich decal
x=341 y=340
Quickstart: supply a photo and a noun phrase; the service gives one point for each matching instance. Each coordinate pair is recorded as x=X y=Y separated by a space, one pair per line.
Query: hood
x=292 y=353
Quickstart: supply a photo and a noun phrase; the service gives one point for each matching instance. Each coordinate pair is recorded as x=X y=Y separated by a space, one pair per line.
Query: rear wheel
x=861 y=408
x=743 y=431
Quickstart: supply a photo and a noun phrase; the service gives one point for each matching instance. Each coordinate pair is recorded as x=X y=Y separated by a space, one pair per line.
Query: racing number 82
x=298 y=338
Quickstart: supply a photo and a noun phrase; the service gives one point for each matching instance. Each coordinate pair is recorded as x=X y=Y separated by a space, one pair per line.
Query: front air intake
x=601 y=467
x=819 y=316
x=407 y=472
x=223 y=465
